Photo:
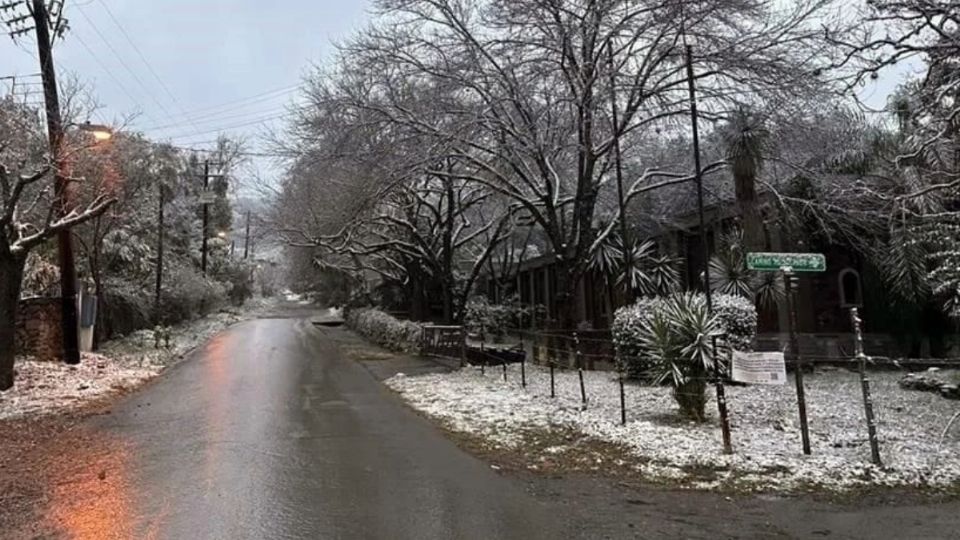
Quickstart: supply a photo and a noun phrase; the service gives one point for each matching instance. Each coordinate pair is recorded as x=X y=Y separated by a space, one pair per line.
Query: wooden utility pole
x=160 y=238
x=246 y=240
x=51 y=98
x=206 y=217
x=698 y=174
x=624 y=238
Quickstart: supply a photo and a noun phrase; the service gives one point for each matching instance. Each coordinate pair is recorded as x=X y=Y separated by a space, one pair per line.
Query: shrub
x=677 y=337
x=237 y=279
x=385 y=330
x=482 y=317
x=627 y=322
x=187 y=294
x=738 y=320
x=123 y=308
x=736 y=317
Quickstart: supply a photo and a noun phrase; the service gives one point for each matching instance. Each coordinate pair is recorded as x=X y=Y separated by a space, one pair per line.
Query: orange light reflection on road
x=215 y=364
x=92 y=500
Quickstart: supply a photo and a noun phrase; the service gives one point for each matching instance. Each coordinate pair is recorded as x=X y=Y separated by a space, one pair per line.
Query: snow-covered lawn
x=766 y=435
x=122 y=364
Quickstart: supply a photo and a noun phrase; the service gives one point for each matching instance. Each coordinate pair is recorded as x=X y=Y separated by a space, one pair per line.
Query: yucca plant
x=729 y=273
x=678 y=338
x=649 y=274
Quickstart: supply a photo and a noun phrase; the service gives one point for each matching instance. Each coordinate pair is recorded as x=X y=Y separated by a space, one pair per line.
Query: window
x=850 y=294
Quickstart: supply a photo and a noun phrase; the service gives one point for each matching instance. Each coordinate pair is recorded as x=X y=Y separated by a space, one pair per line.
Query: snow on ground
x=766 y=435
x=121 y=364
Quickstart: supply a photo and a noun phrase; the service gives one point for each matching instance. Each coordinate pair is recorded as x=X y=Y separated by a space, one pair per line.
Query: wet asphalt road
x=268 y=432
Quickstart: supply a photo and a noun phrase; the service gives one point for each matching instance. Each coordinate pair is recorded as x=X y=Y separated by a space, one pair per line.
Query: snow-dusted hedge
x=482 y=317
x=627 y=322
x=385 y=330
x=737 y=316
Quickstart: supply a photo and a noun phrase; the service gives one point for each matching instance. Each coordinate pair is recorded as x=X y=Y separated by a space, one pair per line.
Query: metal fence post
x=722 y=397
x=553 y=388
x=523 y=369
x=463 y=345
x=483 y=358
x=865 y=387
x=623 y=400
x=579 y=360
x=789 y=283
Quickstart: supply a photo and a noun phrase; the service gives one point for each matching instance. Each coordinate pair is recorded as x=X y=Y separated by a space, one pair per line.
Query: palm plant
x=650 y=274
x=678 y=338
x=745 y=138
x=729 y=273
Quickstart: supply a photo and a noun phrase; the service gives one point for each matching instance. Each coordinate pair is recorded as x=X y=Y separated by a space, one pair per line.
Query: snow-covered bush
x=627 y=322
x=677 y=338
x=482 y=317
x=736 y=317
x=187 y=294
x=385 y=330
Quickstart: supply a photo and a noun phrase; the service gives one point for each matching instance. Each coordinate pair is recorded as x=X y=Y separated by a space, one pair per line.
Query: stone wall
x=38 y=329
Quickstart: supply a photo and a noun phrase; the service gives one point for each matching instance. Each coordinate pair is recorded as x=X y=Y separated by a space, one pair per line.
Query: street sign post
x=797 y=262
x=207 y=197
x=789 y=264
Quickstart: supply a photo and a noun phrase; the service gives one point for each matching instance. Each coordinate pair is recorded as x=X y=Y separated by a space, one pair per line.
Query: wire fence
x=565 y=351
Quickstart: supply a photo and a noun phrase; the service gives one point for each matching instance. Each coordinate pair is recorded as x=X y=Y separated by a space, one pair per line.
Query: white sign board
x=207 y=197
x=759 y=368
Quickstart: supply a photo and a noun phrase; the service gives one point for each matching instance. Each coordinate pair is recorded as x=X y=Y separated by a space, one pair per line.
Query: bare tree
x=528 y=114
x=29 y=214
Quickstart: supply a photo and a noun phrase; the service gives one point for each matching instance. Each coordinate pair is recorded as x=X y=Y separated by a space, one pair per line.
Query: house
x=823 y=300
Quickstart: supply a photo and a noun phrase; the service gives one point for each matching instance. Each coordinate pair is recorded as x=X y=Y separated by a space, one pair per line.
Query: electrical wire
x=220 y=119
x=123 y=63
x=113 y=77
x=234 y=126
x=241 y=102
x=142 y=57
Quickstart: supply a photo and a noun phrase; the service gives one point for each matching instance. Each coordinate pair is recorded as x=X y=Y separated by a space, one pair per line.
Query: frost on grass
x=121 y=365
x=766 y=434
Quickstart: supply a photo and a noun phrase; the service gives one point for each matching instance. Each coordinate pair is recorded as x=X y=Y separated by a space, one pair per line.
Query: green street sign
x=796 y=262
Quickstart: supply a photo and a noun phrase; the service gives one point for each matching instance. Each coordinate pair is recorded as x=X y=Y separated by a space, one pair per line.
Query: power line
x=235 y=126
x=241 y=103
x=221 y=119
x=124 y=64
x=143 y=58
x=110 y=74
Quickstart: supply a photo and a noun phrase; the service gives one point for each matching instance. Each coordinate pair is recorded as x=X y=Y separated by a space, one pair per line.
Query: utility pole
x=206 y=217
x=68 y=275
x=624 y=238
x=698 y=174
x=246 y=240
x=206 y=200
x=160 y=237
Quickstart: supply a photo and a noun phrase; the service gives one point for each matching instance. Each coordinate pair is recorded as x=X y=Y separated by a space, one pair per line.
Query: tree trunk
x=751 y=220
x=566 y=301
x=692 y=398
x=100 y=331
x=448 y=277
x=416 y=296
x=11 y=277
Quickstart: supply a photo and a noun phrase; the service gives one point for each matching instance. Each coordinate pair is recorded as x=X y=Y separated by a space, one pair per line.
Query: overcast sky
x=227 y=64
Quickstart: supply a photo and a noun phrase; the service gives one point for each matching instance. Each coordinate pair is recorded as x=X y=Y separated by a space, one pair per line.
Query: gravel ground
x=766 y=434
x=120 y=366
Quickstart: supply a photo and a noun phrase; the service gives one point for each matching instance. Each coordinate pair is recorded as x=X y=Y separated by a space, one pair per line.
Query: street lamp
x=99 y=132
